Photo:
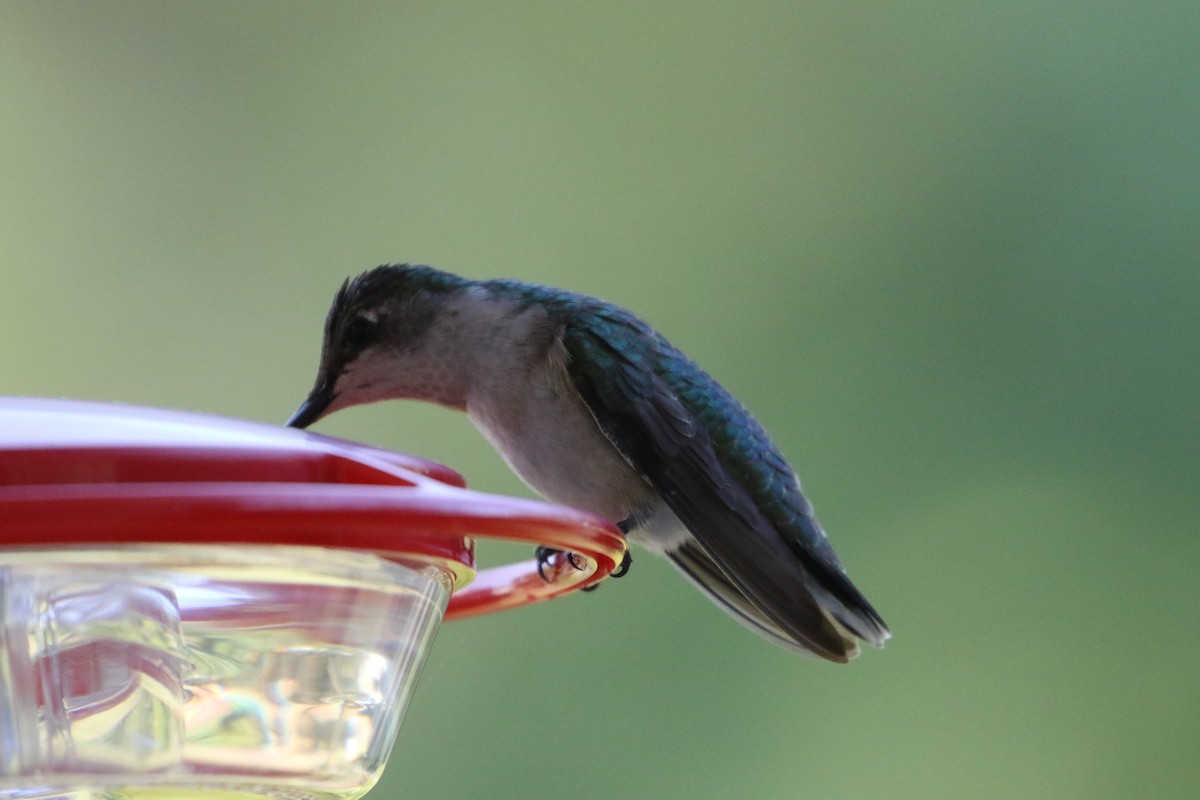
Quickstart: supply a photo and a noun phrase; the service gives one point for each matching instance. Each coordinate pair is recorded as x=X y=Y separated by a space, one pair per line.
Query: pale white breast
x=523 y=401
x=540 y=425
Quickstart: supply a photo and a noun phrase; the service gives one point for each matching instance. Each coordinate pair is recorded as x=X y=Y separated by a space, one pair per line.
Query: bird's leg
x=626 y=559
x=619 y=572
x=543 y=555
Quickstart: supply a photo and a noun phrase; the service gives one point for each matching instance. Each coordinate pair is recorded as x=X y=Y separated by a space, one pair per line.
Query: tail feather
x=836 y=594
x=836 y=642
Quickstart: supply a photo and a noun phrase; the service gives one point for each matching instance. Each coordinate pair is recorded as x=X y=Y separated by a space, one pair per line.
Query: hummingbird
x=594 y=409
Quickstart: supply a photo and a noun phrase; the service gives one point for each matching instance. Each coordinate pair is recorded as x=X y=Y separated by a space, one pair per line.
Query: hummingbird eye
x=359 y=332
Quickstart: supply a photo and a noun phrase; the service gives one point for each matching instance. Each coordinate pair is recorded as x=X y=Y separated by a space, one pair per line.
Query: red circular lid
x=77 y=473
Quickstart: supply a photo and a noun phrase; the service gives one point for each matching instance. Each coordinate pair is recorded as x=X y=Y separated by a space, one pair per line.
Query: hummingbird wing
x=694 y=561
x=758 y=548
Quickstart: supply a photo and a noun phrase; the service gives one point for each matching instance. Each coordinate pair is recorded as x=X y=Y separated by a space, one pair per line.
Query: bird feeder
x=196 y=606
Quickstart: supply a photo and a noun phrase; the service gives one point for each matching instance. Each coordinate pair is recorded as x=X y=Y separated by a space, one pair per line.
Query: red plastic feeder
x=194 y=605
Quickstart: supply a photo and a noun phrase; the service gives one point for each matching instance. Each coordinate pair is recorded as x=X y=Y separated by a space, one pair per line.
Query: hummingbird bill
x=594 y=409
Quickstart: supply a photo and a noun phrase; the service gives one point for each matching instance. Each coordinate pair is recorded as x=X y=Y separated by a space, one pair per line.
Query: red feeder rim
x=78 y=473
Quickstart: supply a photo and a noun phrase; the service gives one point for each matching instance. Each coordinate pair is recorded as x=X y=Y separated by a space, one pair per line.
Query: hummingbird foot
x=543 y=555
x=624 y=526
x=619 y=572
x=623 y=567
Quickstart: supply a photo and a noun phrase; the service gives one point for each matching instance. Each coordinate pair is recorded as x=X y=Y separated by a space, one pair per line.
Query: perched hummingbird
x=594 y=409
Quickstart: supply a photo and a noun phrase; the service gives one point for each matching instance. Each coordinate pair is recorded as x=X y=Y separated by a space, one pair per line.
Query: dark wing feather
x=755 y=532
x=694 y=561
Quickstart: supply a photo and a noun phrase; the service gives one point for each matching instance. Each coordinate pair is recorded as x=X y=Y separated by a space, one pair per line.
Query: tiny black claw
x=623 y=567
x=619 y=572
x=543 y=555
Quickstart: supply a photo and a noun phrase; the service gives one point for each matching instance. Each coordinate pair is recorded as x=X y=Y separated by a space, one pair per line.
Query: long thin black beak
x=312 y=408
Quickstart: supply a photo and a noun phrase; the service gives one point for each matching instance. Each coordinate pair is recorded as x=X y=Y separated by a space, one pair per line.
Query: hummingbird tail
x=833 y=641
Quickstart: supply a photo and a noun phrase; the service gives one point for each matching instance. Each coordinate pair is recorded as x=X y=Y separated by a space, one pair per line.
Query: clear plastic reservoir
x=198 y=607
x=171 y=670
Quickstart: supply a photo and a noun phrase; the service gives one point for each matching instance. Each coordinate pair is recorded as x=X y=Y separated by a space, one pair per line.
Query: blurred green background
x=949 y=253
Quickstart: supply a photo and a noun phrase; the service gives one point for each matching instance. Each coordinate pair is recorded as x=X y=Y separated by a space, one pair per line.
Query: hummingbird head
x=382 y=341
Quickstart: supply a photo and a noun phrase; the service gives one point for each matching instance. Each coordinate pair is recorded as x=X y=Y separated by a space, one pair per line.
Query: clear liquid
x=206 y=671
